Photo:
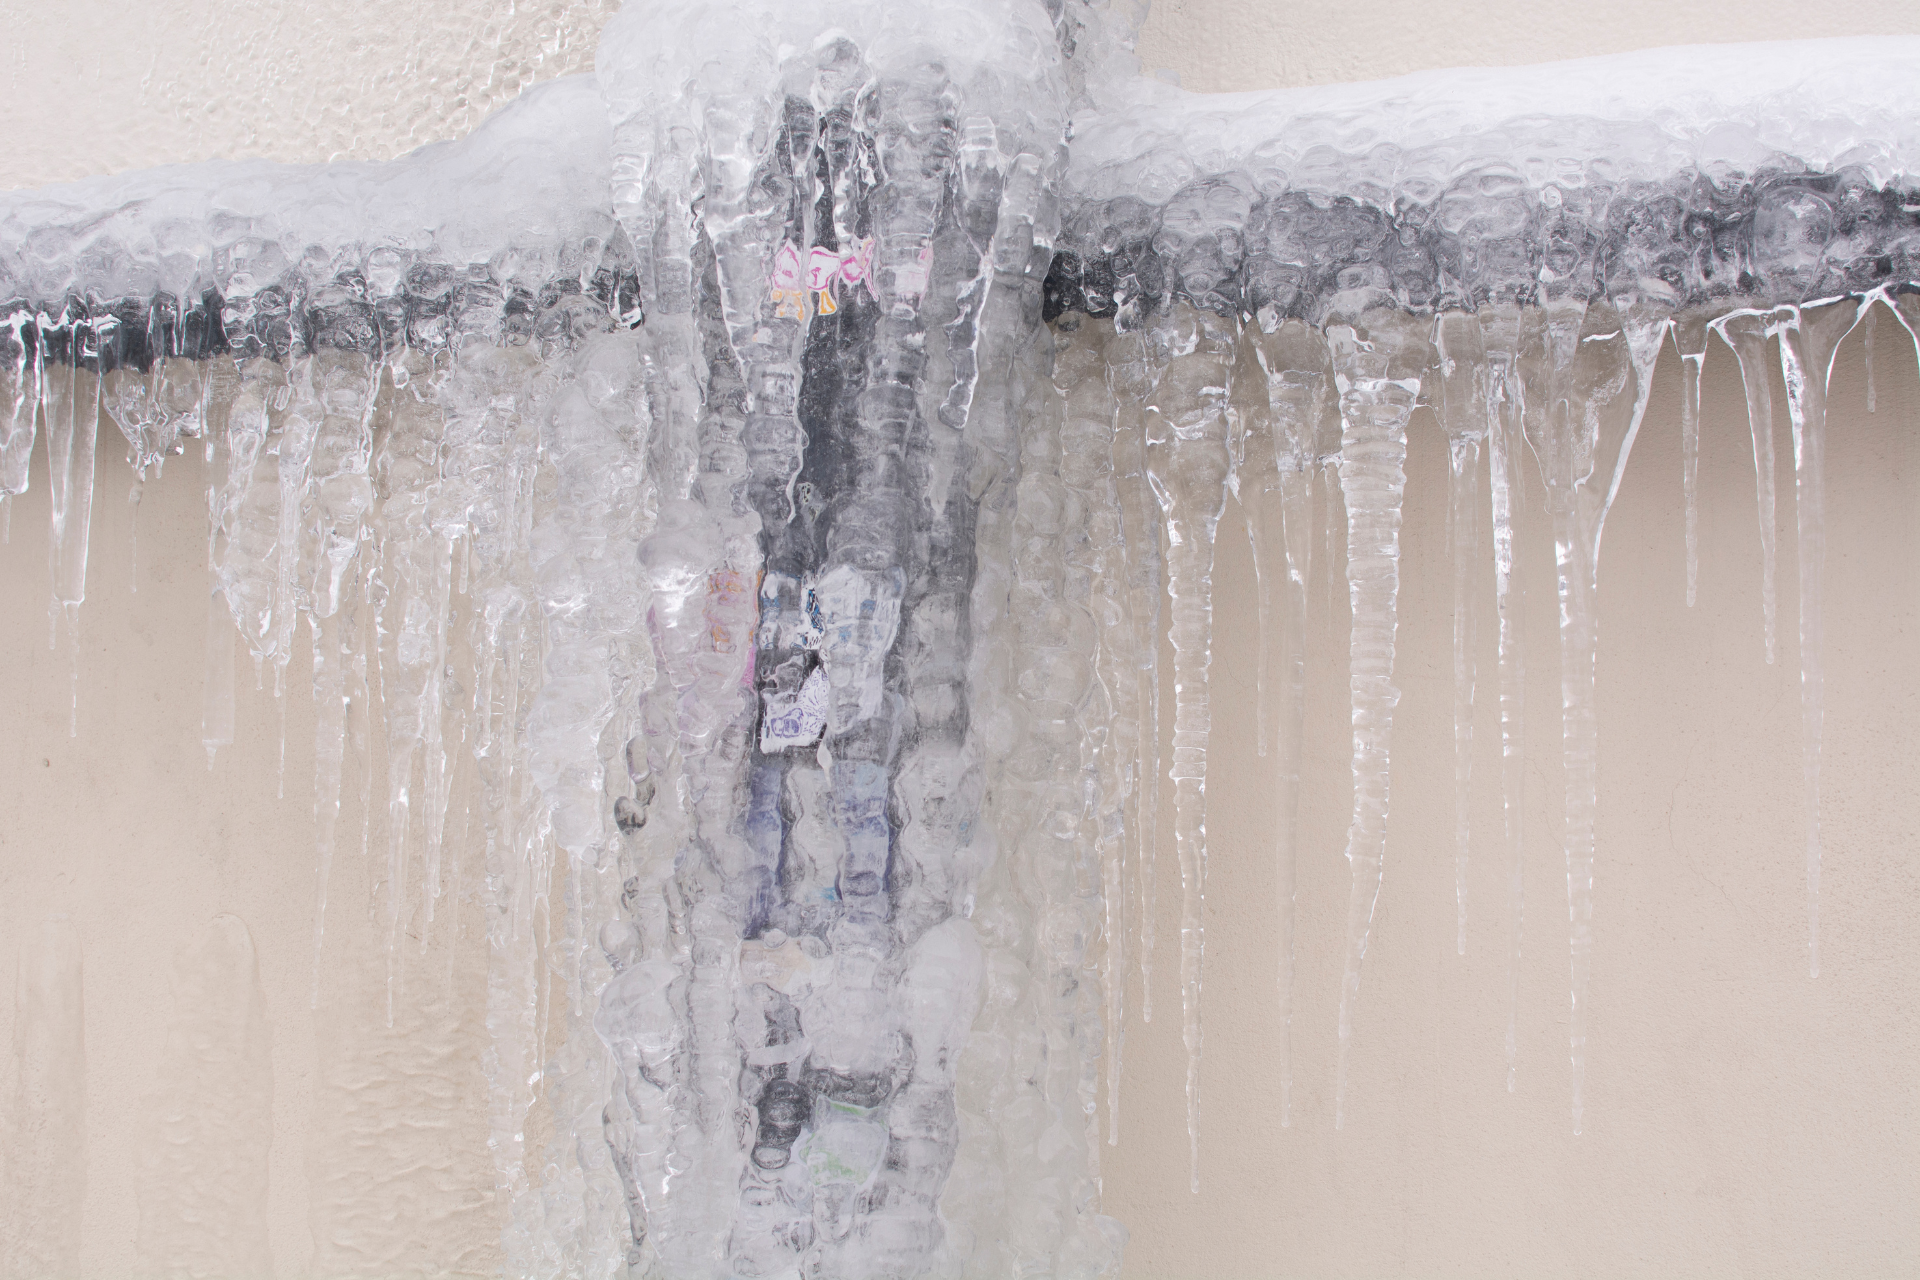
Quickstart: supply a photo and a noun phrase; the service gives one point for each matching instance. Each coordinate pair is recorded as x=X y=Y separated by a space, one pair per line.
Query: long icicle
x=1374 y=409
x=1141 y=522
x=1808 y=340
x=329 y=746
x=1188 y=461
x=1504 y=411
x=1585 y=433
x=1298 y=386
x=1690 y=340
x=1463 y=412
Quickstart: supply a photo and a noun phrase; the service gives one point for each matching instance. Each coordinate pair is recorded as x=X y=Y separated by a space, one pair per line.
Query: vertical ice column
x=873 y=569
x=853 y=213
x=1022 y=1199
x=961 y=555
x=1188 y=462
x=589 y=582
x=1466 y=394
x=1377 y=396
x=1808 y=340
x=1280 y=442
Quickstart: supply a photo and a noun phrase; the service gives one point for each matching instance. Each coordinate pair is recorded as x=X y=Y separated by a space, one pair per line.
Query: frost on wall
x=773 y=465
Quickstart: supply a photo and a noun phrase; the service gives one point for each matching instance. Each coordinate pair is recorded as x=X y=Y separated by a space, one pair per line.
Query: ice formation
x=771 y=468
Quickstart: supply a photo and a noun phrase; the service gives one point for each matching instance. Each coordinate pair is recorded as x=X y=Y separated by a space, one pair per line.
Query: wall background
x=1742 y=1119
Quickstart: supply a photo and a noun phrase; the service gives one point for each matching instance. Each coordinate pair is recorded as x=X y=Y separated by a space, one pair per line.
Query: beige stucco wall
x=1742 y=1118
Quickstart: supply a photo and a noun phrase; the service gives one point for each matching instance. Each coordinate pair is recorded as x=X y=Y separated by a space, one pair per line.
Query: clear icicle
x=1872 y=318
x=1690 y=339
x=1464 y=374
x=1374 y=407
x=1582 y=433
x=329 y=747
x=1188 y=462
x=1808 y=340
x=1141 y=523
x=1252 y=499
x=71 y=409
x=330 y=536
x=1293 y=359
x=1086 y=469
x=1505 y=446
x=21 y=369
x=1150 y=771
x=435 y=764
x=1331 y=515
x=1746 y=333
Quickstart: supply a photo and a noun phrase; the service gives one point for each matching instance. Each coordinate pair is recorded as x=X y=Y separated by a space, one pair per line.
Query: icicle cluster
x=762 y=480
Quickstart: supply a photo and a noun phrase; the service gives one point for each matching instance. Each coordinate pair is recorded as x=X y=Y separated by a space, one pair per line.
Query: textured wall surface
x=1742 y=1118
x=1218 y=46
x=96 y=86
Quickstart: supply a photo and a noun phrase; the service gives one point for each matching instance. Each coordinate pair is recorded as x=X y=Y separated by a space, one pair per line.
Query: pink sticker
x=856 y=264
x=823 y=266
x=786 y=268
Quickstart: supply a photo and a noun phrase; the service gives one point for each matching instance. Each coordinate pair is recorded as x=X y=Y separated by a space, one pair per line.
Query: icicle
x=1808 y=340
x=1582 y=435
x=294 y=449
x=435 y=763
x=1872 y=318
x=216 y=688
x=1464 y=374
x=1110 y=722
x=22 y=368
x=1332 y=515
x=72 y=414
x=329 y=747
x=1251 y=493
x=1690 y=340
x=1746 y=333
x=1505 y=446
x=1188 y=461
x=1293 y=357
x=1141 y=523
x=1374 y=408
x=365 y=638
